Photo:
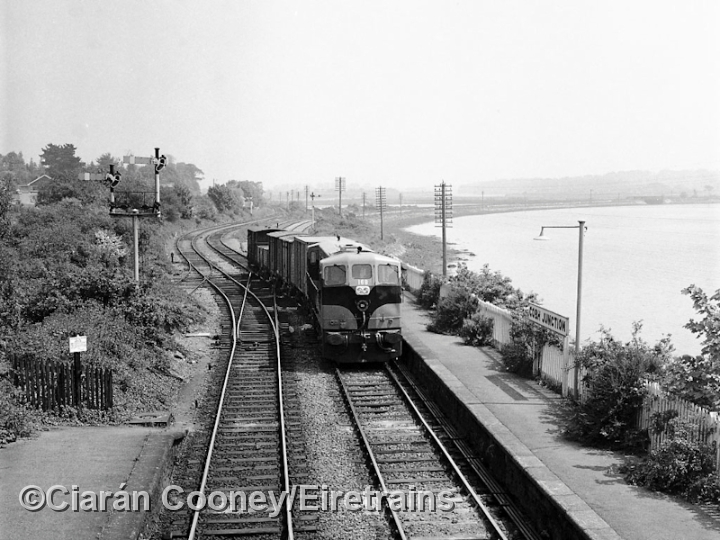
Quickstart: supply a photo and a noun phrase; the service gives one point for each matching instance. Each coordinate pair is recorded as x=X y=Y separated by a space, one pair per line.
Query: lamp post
x=581 y=229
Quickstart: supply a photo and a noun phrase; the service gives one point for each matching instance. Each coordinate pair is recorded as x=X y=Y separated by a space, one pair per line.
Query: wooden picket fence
x=704 y=424
x=48 y=385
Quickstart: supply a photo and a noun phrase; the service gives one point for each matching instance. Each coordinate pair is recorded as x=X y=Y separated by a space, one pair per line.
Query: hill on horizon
x=698 y=183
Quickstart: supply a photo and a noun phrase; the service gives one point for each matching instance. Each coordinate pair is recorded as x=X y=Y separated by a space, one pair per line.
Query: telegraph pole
x=443 y=215
x=306 y=198
x=340 y=187
x=381 y=203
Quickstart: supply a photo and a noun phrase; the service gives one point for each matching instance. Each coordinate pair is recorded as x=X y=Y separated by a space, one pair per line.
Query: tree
x=105 y=160
x=60 y=162
x=709 y=326
x=13 y=167
x=224 y=198
x=85 y=192
x=5 y=204
x=248 y=189
x=187 y=175
x=185 y=197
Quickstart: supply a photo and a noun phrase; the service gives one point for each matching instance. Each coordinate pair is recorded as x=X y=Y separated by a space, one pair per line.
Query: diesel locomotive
x=354 y=293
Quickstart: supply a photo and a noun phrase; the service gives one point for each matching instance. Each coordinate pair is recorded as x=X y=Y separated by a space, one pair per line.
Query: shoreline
x=425 y=252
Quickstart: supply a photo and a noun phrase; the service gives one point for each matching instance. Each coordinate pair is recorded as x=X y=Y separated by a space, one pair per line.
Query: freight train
x=354 y=294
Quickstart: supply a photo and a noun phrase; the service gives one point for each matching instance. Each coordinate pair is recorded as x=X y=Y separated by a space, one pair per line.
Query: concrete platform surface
x=92 y=458
x=527 y=419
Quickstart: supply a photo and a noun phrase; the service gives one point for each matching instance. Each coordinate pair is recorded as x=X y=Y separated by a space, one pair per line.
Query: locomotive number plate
x=362 y=290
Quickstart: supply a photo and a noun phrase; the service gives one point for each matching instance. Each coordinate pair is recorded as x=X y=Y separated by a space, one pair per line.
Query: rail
x=236 y=322
x=385 y=393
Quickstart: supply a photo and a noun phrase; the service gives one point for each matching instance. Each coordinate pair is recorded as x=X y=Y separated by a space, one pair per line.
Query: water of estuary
x=636 y=261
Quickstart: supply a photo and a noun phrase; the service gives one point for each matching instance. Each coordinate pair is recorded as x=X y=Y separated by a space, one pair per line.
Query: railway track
x=439 y=490
x=247 y=448
x=257 y=443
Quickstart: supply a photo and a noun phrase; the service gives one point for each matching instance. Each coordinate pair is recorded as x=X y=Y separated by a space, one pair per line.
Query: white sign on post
x=78 y=344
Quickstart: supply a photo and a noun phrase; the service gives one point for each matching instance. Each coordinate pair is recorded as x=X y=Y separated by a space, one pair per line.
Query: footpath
x=93 y=459
x=584 y=481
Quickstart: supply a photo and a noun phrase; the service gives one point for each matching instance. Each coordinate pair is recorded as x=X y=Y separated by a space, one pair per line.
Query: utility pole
x=443 y=215
x=340 y=187
x=306 y=198
x=381 y=203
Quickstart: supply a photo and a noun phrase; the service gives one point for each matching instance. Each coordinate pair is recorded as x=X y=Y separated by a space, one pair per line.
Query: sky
x=396 y=93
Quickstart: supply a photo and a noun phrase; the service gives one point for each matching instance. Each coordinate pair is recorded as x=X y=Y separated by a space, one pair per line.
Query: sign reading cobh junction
x=548 y=319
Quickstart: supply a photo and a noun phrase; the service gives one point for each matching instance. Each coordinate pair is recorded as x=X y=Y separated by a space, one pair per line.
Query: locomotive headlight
x=362 y=305
x=362 y=290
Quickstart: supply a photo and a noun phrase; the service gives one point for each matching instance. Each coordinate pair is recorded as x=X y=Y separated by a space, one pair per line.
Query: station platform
x=525 y=419
x=105 y=458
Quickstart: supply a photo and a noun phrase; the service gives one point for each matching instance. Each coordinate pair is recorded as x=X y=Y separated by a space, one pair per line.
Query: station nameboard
x=548 y=319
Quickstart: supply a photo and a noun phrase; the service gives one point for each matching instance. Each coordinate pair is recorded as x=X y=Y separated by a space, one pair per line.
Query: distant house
x=27 y=194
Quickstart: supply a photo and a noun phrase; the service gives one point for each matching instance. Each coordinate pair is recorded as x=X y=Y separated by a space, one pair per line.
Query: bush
x=614 y=389
x=429 y=290
x=15 y=420
x=695 y=379
x=452 y=310
x=681 y=466
x=526 y=344
x=477 y=330
x=491 y=287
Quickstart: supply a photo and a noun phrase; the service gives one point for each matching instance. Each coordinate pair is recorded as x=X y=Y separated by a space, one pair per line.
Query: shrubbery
x=465 y=289
x=526 y=344
x=614 y=389
x=477 y=330
x=429 y=290
x=681 y=466
x=451 y=311
x=65 y=269
x=695 y=379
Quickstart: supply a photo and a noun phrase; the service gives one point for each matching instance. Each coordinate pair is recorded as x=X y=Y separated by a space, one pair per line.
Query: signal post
x=129 y=208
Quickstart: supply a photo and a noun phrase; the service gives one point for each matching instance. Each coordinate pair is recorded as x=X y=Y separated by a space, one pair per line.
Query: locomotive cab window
x=362 y=271
x=388 y=274
x=335 y=275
